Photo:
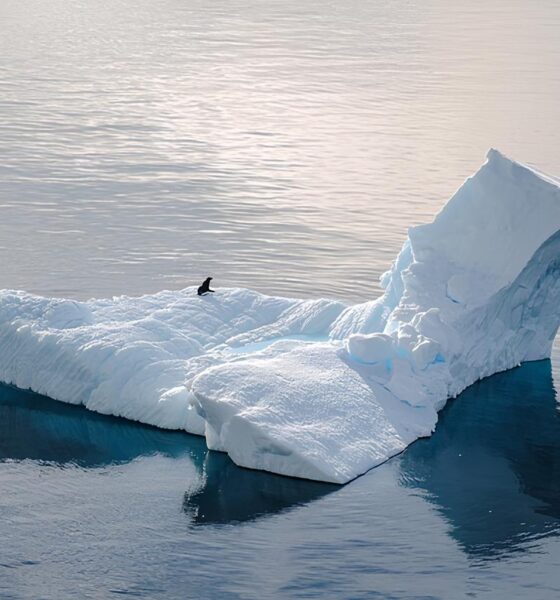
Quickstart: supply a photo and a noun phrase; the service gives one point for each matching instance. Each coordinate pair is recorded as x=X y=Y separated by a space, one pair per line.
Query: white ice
x=315 y=389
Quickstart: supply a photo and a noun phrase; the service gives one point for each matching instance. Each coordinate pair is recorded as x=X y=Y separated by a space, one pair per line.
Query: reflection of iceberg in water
x=38 y=428
x=230 y=494
x=493 y=465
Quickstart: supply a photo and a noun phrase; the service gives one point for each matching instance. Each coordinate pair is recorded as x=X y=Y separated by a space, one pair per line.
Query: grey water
x=284 y=146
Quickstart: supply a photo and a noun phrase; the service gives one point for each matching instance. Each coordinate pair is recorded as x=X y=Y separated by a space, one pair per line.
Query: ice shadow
x=38 y=428
x=492 y=467
x=230 y=494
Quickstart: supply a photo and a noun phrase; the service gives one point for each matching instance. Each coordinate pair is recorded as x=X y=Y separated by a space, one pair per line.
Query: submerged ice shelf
x=314 y=388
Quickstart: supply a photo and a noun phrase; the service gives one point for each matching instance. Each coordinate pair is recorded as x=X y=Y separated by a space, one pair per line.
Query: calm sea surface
x=284 y=146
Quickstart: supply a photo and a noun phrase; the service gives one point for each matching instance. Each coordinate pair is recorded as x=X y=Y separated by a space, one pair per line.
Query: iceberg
x=314 y=388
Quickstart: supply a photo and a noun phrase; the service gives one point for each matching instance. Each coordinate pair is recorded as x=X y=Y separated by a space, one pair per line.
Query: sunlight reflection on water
x=281 y=147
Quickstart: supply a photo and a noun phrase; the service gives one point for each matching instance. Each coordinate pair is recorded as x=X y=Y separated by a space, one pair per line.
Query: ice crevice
x=314 y=388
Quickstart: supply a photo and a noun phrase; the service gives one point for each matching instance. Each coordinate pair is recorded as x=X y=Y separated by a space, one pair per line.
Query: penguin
x=205 y=287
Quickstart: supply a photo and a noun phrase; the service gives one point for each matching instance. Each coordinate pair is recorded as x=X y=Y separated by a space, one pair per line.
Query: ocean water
x=96 y=507
x=284 y=146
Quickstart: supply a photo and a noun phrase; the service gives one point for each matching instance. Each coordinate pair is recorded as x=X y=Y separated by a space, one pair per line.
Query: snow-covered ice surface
x=136 y=357
x=312 y=388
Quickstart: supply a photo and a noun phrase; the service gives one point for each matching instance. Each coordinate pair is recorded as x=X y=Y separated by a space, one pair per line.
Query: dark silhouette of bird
x=205 y=287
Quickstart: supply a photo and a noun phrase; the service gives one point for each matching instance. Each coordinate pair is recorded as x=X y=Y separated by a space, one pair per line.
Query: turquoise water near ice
x=287 y=147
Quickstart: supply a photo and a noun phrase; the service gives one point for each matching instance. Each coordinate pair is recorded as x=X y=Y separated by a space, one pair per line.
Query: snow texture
x=313 y=388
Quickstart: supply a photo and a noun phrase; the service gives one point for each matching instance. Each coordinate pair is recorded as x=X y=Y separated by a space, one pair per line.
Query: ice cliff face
x=315 y=389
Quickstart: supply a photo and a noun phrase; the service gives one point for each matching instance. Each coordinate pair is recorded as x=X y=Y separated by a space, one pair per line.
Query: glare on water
x=284 y=147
